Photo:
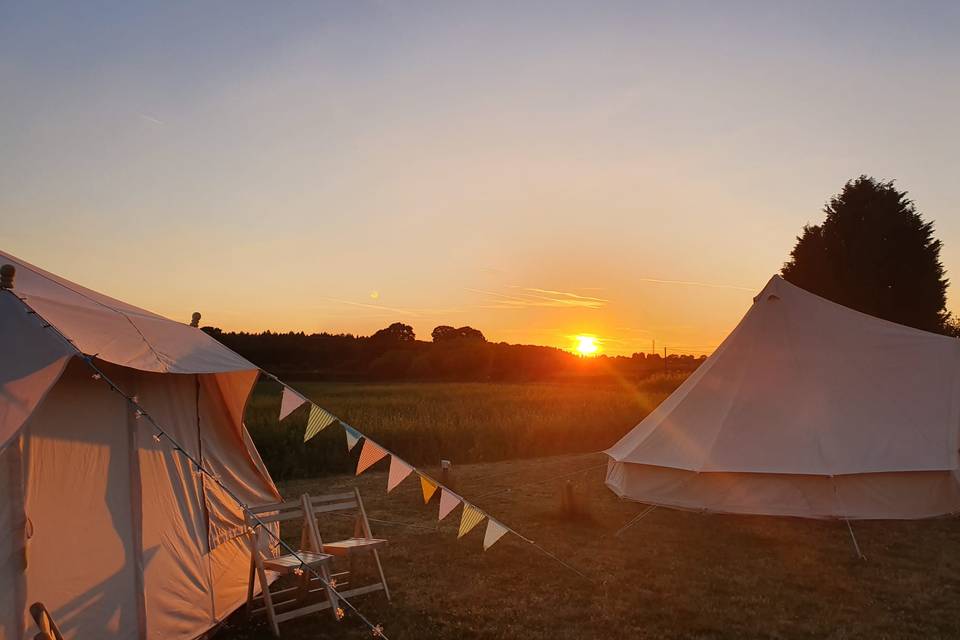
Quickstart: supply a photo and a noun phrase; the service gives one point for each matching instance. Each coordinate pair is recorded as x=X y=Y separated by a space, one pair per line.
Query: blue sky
x=536 y=170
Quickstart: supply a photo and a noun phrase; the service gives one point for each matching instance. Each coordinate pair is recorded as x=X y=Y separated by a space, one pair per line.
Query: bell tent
x=808 y=409
x=115 y=532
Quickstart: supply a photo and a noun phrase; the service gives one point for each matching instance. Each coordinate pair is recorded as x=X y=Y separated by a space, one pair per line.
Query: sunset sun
x=586 y=345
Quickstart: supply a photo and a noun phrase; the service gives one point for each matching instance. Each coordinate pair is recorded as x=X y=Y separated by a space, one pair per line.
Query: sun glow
x=586 y=345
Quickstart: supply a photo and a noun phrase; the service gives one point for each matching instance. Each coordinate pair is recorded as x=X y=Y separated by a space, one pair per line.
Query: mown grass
x=673 y=574
x=462 y=422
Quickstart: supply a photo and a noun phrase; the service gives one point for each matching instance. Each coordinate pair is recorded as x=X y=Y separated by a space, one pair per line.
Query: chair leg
x=250 y=579
x=331 y=594
x=268 y=600
x=383 y=578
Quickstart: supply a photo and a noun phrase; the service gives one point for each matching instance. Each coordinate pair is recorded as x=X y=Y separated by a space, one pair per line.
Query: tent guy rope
x=161 y=433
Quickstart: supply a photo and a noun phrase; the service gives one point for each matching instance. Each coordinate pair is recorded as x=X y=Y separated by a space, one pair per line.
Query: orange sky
x=633 y=172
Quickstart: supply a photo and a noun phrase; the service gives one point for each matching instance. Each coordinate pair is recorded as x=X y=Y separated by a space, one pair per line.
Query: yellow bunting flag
x=398 y=471
x=448 y=502
x=471 y=517
x=318 y=421
x=429 y=487
x=494 y=532
x=369 y=455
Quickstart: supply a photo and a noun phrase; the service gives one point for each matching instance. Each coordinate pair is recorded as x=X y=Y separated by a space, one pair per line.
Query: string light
x=340 y=613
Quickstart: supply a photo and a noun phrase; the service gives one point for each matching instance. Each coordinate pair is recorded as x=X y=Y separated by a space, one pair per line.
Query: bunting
x=353 y=436
x=398 y=471
x=290 y=401
x=470 y=518
x=448 y=502
x=318 y=421
x=494 y=532
x=369 y=456
x=428 y=487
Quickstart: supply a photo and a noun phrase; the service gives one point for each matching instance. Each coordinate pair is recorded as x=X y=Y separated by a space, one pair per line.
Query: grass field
x=468 y=422
x=672 y=575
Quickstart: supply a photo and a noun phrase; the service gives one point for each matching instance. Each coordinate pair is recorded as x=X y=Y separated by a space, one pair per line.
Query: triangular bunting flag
x=398 y=471
x=369 y=455
x=428 y=486
x=318 y=421
x=353 y=436
x=494 y=532
x=448 y=502
x=290 y=400
x=471 y=517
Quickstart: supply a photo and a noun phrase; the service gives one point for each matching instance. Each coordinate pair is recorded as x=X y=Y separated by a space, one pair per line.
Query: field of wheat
x=461 y=422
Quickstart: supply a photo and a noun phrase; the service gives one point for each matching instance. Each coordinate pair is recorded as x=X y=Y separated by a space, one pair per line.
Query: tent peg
x=7 y=273
x=195 y=319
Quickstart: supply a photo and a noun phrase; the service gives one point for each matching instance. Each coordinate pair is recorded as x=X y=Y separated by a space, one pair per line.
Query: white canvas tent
x=115 y=533
x=807 y=409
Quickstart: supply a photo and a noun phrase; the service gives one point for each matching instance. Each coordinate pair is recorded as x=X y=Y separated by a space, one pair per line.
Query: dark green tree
x=397 y=332
x=874 y=253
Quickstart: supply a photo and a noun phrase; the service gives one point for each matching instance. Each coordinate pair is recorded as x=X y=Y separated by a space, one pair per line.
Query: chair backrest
x=273 y=513
x=338 y=502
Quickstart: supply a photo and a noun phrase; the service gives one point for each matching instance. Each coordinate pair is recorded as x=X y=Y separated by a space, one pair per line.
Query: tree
x=874 y=253
x=397 y=332
x=445 y=333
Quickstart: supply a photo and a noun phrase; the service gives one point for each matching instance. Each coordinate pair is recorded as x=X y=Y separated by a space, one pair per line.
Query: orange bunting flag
x=398 y=471
x=428 y=487
x=471 y=517
x=369 y=455
x=318 y=421
x=448 y=502
x=290 y=400
x=494 y=532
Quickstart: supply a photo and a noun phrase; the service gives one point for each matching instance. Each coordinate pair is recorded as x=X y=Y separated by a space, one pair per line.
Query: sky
x=635 y=171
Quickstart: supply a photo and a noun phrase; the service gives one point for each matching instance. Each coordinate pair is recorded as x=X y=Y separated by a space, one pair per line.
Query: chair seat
x=353 y=545
x=288 y=562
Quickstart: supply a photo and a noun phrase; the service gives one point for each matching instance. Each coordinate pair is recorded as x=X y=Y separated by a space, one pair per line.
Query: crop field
x=461 y=422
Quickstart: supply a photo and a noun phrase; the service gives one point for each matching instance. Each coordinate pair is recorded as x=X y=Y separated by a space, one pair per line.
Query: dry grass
x=674 y=574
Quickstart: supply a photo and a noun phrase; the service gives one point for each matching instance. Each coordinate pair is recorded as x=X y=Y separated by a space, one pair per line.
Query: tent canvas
x=115 y=533
x=808 y=409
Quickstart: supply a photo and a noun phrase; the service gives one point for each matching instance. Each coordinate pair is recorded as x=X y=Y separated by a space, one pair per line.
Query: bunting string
x=449 y=500
x=143 y=416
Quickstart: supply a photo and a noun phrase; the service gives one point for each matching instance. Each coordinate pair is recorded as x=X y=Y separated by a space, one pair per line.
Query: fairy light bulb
x=96 y=376
x=157 y=437
x=340 y=613
x=138 y=414
x=377 y=631
x=333 y=583
x=298 y=571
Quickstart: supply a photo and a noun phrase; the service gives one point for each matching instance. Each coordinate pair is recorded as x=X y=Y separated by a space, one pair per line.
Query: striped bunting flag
x=318 y=421
x=471 y=517
x=494 y=532
x=290 y=401
x=369 y=455
x=398 y=471
x=448 y=502
x=353 y=436
x=428 y=487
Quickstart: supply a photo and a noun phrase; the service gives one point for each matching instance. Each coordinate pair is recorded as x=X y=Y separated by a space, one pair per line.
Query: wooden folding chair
x=48 y=628
x=263 y=559
x=362 y=543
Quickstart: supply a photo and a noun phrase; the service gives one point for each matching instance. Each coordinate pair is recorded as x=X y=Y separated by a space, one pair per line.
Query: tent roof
x=806 y=386
x=117 y=332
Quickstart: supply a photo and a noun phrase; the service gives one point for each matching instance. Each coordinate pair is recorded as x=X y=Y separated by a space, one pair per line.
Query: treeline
x=454 y=354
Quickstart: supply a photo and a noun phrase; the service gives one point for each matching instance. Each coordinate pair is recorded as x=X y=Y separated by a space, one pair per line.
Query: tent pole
x=856 y=547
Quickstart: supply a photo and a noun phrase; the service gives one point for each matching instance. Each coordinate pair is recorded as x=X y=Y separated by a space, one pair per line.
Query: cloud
x=151 y=119
x=534 y=297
